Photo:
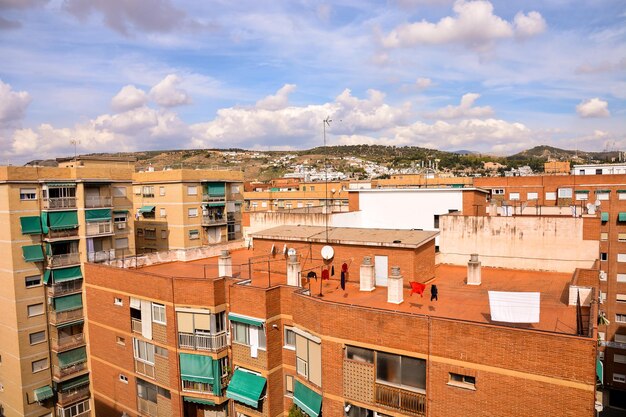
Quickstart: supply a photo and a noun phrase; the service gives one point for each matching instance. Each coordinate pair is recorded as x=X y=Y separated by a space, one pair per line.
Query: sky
x=488 y=76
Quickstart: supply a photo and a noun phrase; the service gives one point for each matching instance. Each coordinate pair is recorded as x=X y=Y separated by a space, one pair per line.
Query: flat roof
x=349 y=236
x=416 y=189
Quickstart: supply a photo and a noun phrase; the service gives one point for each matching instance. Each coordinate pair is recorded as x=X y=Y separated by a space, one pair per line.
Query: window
x=621 y=257
x=139 y=232
x=620 y=338
x=550 y=196
x=621 y=196
x=619 y=358
x=158 y=313
x=39 y=365
x=581 y=172
x=28 y=194
x=564 y=192
x=162 y=212
x=621 y=298
x=497 y=191
x=163 y=234
x=601 y=336
x=462 y=381
x=436 y=221
x=621 y=237
x=37 y=337
x=532 y=196
x=119 y=191
x=601 y=355
x=359 y=354
x=124 y=378
x=164 y=392
x=513 y=196
x=33 y=281
x=603 y=196
x=402 y=371
x=150 y=234
x=604 y=236
x=148 y=191
x=604 y=256
x=194 y=234
x=118 y=301
x=621 y=277
x=192 y=190
x=620 y=318
x=312 y=188
x=143 y=351
x=120 y=217
x=599 y=171
x=619 y=378
x=146 y=391
x=309 y=358
x=137 y=190
x=289 y=385
x=74 y=409
x=121 y=243
x=120 y=341
x=35 y=310
x=192 y=212
x=162 y=352
x=161 y=191
x=290 y=338
x=582 y=196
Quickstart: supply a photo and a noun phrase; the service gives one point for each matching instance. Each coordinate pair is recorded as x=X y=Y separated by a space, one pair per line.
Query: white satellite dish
x=327 y=253
x=591 y=208
x=291 y=252
x=598 y=203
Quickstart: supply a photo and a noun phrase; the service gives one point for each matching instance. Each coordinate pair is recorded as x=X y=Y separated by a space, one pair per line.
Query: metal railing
x=616 y=345
x=62 y=233
x=207 y=342
x=94 y=202
x=64 y=316
x=66 y=287
x=101 y=256
x=144 y=368
x=99 y=228
x=401 y=399
x=211 y=220
x=146 y=407
x=67 y=342
x=64 y=259
x=73 y=395
x=59 y=372
x=59 y=203
x=135 y=325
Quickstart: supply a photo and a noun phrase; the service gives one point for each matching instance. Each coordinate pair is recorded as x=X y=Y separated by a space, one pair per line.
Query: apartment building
x=337 y=332
x=302 y=197
x=53 y=220
x=184 y=209
x=602 y=197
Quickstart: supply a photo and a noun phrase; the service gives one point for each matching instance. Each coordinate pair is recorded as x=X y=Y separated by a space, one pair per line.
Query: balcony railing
x=616 y=345
x=66 y=287
x=144 y=368
x=99 y=228
x=55 y=203
x=146 y=407
x=62 y=233
x=206 y=342
x=59 y=372
x=64 y=259
x=67 y=342
x=101 y=256
x=95 y=202
x=67 y=397
x=401 y=399
x=64 y=316
x=135 y=325
x=213 y=198
x=213 y=220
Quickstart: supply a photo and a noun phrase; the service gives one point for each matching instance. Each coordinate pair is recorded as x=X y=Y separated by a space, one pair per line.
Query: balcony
x=65 y=398
x=135 y=325
x=213 y=220
x=62 y=234
x=213 y=198
x=98 y=202
x=65 y=259
x=59 y=203
x=203 y=388
x=400 y=399
x=66 y=287
x=99 y=228
x=615 y=345
x=59 y=373
x=146 y=407
x=234 y=216
x=144 y=368
x=64 y=316
x=101 y=256
x=205 y=342
x=67 y=342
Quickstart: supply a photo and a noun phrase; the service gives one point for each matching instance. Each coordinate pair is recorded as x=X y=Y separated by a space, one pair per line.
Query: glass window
x=602 y=196
x=290 y=338
x=120 y=217
x=148 y=191
x=194 y=234
x=158 y=313
x=240 y=332
x=143 y=351
x=532 y=196
x=119 y=191
x=161 y=191
x=565 y=192
x=458 y=379
x=150 y=234
x=35 y=310
x=28 y=194
x=39 y=365
x=192 y=212
x=37 y=337
x=550 y=196
x=582 y=196
x=121 y=243
x=146 y=390
x=33 y=281
x=163 y=234
x=359 y=354
x=388 y=368
x=399 y=370
x=413 y=372
x=289 y=385
x=162 y=212
x=192 y=190
x=514 y=196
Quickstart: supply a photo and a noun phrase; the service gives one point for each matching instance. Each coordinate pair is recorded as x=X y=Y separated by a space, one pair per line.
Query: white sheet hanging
x=514 y=307
x=254 y=341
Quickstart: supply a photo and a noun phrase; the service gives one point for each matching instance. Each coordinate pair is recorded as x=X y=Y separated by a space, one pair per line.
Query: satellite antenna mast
x=325 y=122
x=75 y=142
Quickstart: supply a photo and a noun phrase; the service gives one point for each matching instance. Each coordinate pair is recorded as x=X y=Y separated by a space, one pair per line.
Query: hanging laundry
x=433 y=293
x=417 y=288
x=332 y=270
x=343 y=280
x=344 y=267
x=311 y=274
x=325 y=274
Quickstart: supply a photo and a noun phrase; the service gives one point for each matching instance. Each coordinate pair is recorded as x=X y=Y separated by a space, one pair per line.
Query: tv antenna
x=325 y=122
x=75 y=142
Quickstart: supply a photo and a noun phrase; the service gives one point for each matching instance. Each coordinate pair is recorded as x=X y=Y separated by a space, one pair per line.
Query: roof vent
x=397 y=241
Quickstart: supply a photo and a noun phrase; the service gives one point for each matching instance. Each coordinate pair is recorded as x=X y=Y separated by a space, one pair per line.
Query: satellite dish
x=591 y=208
x=291 y=252
x=327 y=253
x=598 y=203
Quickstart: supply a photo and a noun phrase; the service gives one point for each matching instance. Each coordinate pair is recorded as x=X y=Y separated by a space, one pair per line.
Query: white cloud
x=13 y=104
x=129 y=97
x=464 y=109
x=278 y=100
x=474 y=25
x=167 y=94
x=593 y=108
x=423 y=83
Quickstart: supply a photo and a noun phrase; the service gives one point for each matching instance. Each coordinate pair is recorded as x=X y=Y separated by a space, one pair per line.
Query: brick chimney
x=225 y=264
x=293 y=271
x=473 y=270
x=395 y=286
x=367 y=275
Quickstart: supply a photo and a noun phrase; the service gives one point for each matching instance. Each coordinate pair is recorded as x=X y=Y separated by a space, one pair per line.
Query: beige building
x=186 y=209
x=53 y=220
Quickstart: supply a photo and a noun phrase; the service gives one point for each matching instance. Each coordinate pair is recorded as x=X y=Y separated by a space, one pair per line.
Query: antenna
x=75 y=142
x=325 y=122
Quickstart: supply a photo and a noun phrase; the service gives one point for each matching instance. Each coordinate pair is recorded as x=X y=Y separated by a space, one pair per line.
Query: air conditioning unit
x=121 y=226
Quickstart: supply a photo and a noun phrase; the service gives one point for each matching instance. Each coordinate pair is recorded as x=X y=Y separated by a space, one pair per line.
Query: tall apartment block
x=53 y=220
x=186 y=209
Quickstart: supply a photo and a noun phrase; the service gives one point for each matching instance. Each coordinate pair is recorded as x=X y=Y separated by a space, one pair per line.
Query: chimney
x=367 y=274
x=225 y=264
x=473 y=270
x=293 y=271
x=394 y=286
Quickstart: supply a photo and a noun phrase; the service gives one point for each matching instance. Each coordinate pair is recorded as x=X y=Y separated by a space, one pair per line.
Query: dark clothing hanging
x=344 y=267
x=325 y=274
x=433 y=293
x=311 y=274
x=332 y=270
x=343 y=280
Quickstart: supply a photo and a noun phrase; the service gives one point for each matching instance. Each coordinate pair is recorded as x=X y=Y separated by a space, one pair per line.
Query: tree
x=296 y=412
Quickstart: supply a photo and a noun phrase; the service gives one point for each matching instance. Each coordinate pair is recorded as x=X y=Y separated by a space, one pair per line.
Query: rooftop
x=349 y=235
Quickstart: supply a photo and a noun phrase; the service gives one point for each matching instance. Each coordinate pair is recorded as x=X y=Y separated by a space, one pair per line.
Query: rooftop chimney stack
x=225 y=264
x=394 y=286
x=473 y=270
x=293 y=271
x=367 y=274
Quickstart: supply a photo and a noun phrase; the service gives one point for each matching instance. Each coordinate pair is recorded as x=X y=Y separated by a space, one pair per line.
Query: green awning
x=604 y=216
x=44 y=222
x=198 y=401
x=46 y=276
x=120 y=211
x=274 y=189
x=33 y=253
x=621 y=191
x=216 y=189
x=621 y=217
x=245 y=320
x=307 y=399
x=74 y=383
x=246 y=388
x=602 y=191
x=97 y=215
x=31 y=225
x=69 y=302
x=146 y=209
x=66 y=274
x=196 y=368
x=43 y=393
x=62 y=220
x=581 y=191
x=72 y=357
x=458 y=185
x=70 y=323
x=600 y=370
x=222 y=204
x=60 y=184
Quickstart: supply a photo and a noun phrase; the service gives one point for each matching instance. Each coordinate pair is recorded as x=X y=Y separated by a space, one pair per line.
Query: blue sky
x=495 y=77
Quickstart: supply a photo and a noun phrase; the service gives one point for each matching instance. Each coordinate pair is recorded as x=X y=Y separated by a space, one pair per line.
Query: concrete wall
x=536 y=243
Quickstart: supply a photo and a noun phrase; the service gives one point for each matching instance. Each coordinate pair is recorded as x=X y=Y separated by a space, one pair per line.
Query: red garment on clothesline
x=417 y=288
